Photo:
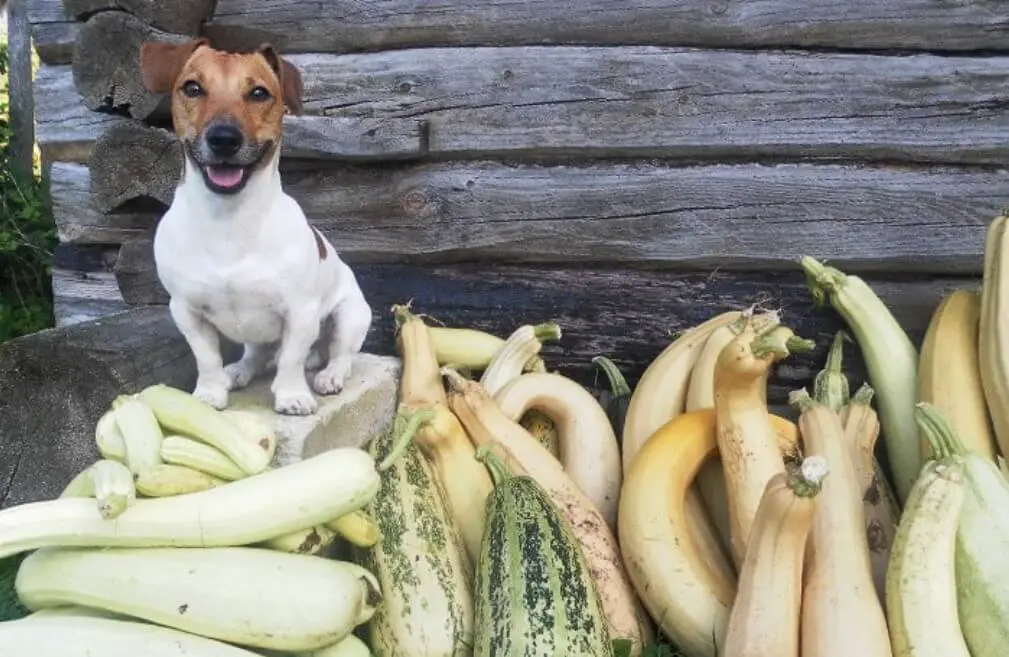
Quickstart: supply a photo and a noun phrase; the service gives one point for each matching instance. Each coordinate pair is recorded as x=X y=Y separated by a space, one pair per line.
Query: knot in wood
x=415 y=202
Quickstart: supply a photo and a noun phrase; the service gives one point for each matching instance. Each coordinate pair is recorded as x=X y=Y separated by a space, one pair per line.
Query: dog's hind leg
x=252 y=363
x=351 y=322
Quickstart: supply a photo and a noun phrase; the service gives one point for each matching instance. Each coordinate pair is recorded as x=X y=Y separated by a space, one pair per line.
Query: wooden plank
x=83 y=296
x=19 y=69
x=349 y=25
x=67 y=129
x=680 y=103
x=53 y=32
x=80 y=221
x=736 y=217
x=625 y=314
x=179 y=16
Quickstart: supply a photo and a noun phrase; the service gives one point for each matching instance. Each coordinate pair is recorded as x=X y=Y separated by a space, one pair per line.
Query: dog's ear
x=160 y=63
x=289 y=76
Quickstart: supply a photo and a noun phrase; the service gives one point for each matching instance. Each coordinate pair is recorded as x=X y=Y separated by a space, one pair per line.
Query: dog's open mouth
x=225 y=177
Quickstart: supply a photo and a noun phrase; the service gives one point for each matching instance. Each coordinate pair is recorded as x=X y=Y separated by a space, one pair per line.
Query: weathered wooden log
x=178 y=16
x=84 y=296
x=57 y=383
x=78 y=218
x=666 y=102
x=106 y=64
x=348 y=25
x=625 y=314
x=651 y=102
x=53 y=32
x=66 y=130
x=738 y=217
x=133 y=161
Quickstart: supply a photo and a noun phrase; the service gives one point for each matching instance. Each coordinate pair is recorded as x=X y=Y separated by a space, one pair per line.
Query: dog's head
x=227 y=108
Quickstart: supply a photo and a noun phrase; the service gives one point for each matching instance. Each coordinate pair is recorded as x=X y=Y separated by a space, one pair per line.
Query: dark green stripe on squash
x=419 y=561
x=534 y=594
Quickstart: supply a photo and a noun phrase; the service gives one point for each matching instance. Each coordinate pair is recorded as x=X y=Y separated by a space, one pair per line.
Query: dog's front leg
x=351 y=321
x=204 y=342
x=291 y=394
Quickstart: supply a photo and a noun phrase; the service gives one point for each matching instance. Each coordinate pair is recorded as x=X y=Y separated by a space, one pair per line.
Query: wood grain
x=21 y=111
x=351 y=25
x=625 y=314
x=106 y=64
x=178 y=16
x=78 y=218
x=132 y=161
x=53 y=31
x=679 y=103
x=66 y=130
x=729 y=217
x=84 y=296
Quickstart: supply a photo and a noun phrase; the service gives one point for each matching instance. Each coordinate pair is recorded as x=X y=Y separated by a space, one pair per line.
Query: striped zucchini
x=534 y=595
x=419 y=560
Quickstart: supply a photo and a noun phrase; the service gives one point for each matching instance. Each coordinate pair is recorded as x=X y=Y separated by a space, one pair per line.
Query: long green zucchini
x=74 y=636
x=248 y=596
x=534 y=594
x=419 y=559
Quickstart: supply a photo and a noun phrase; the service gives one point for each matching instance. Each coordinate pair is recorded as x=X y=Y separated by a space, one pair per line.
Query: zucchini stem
x=547 y=332
x=831 y=385
x=779 y=341
x=938 y=431
x=618 y=384
x=801 y=400
x=807 y=479
x=405 y=428
x=456 y=381
x=863 y=395
x=499 y=472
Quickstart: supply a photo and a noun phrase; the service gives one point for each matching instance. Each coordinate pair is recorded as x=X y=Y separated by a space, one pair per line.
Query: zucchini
x=76 y=636
x=534 y=594
x=419 y=558
x=248 y=596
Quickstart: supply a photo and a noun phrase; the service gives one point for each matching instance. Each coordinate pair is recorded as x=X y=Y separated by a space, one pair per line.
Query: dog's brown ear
x=160 y=63
x=289 y=76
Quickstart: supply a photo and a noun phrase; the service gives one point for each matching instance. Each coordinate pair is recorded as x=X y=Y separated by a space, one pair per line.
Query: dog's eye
x=259 y=94
x=192 y=89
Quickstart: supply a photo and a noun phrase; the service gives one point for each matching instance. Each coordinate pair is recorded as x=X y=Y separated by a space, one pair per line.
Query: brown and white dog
x=234 y=251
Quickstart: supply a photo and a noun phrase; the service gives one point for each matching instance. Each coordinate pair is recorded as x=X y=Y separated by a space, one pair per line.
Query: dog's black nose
x=224 y=140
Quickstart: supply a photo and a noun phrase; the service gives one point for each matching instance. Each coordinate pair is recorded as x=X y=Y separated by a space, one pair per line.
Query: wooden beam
x=625 y=314
x=736 y=217
x=178 y=16
x=53 y=32
x=67 y=129
x=349 y=25
x=19 y=70
x=83 y=296
x=78 y=218
x=687 y=104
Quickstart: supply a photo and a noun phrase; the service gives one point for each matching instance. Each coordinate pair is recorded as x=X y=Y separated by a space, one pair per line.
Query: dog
x=236 y=253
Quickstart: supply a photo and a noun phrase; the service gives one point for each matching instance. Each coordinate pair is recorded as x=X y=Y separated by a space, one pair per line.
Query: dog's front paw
x=216 y=396
x=330 y=380
x=294 y=402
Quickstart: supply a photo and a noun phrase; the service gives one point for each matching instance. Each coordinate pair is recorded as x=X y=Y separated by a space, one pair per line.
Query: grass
x=27 y=236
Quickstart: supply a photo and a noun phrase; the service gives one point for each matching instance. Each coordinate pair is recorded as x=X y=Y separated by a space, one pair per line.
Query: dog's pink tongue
x=225 y=176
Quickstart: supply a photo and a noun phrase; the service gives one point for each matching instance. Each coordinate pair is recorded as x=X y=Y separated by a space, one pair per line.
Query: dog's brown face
x=227 y=108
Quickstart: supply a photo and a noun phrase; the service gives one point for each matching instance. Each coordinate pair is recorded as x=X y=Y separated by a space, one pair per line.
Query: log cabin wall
x=626 y=168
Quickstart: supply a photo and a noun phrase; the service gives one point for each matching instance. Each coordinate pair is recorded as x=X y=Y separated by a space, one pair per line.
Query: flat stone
x=364 y=408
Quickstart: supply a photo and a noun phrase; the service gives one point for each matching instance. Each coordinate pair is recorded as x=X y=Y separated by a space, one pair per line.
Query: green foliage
x=27 y=237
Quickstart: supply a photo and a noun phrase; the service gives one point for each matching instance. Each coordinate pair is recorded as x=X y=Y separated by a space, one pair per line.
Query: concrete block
x=365 y=407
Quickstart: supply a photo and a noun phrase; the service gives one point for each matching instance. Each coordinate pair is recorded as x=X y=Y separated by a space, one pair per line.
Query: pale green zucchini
x=419 y=560
x=921 y=587
x=243 y=595
x=982 y=540
x=281 y=501
x=534 y=594
x=82 y=636
x=141 y=434
x=179 y=450
x=349 y=647
x=166 y=479
x=108 y=439
x=109 y=482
